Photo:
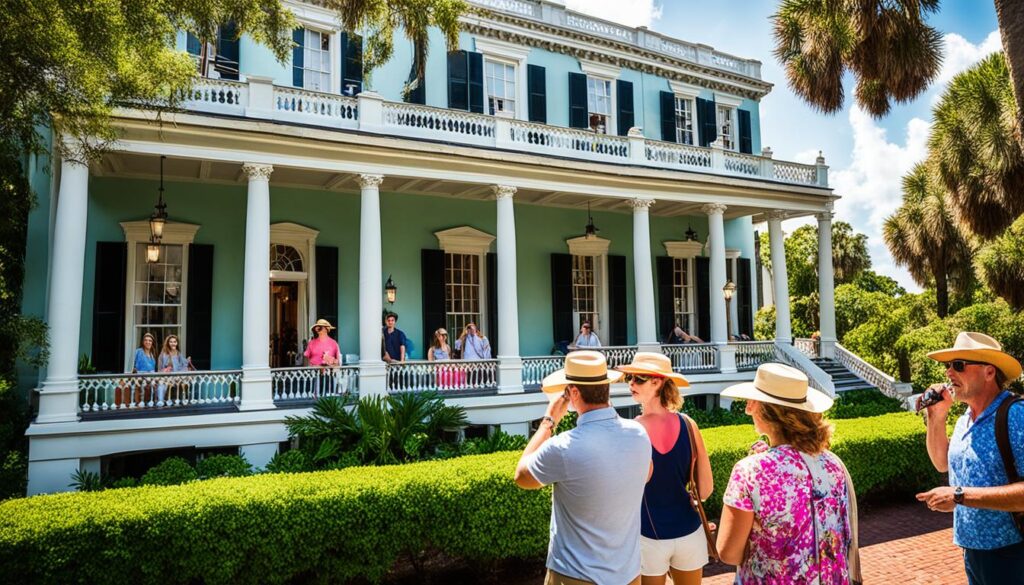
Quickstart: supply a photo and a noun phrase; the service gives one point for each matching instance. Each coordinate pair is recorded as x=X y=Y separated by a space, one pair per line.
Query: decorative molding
x=602 y=70
x=683 y=89
x=683 y=249
x=464 y=240
x=825 y=216
x=584 y=246
x=257 y=171
x=728 y=100
x=641 y=204
x=501 y=49
x=174 y=232
x=503 y=191
x=713 y=208
x=731 y=253
x=370 y=181
x=776 y=215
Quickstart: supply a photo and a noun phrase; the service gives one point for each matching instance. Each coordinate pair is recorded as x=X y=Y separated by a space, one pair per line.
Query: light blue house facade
x=555 y=170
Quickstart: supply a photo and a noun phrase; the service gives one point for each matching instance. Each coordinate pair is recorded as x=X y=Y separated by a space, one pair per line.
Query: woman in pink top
x=322 y=350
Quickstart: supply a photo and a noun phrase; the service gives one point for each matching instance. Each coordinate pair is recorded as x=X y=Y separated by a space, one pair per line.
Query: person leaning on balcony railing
x=322 y=350
x=677 y=337
x=439 y=351
x=171 y=360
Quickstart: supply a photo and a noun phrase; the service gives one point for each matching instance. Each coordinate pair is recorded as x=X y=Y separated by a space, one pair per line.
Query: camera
x=930 y=397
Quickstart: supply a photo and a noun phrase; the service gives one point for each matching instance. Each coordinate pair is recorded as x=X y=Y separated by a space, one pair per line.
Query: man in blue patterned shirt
x=979 y=493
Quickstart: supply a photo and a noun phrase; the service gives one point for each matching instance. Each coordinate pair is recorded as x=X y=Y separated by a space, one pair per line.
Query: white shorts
x=686 y=553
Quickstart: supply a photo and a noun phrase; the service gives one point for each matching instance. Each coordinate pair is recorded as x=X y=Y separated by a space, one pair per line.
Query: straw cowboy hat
x=582 y=368
x=322 y=323
x=978 y=347
x=653 y=364
x=782 y=385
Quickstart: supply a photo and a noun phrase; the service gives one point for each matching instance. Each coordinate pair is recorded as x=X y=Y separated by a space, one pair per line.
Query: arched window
x=285 y=258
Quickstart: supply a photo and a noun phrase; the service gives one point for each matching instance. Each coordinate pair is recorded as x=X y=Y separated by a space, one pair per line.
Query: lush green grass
x=355 y=522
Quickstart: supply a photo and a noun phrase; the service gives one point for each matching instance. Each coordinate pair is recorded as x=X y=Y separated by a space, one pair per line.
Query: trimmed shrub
x=330 y=526
x=171 y=471
x=223 y=466
x=863 y=403
x=293 y=461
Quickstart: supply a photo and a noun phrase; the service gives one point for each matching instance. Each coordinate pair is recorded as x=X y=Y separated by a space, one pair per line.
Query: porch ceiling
x=129 y=165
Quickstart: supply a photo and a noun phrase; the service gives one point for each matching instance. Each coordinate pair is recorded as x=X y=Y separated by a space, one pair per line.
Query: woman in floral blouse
x=786 y=515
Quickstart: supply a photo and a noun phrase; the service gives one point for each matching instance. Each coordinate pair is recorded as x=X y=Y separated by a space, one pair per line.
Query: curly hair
x=808 y=432
x=670 y=396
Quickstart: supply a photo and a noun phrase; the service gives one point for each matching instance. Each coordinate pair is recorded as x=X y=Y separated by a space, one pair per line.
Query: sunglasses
x=638 y=378
x=961 y=365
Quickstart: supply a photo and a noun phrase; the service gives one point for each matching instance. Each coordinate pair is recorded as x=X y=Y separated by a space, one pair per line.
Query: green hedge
x=336 y=525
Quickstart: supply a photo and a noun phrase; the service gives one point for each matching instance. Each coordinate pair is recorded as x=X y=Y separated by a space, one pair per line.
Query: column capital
x=257 y=170
x=370 y=181
x=775 y=215
x=503 y=191
x=825 y=215
x=714 y=208
x=641 y=203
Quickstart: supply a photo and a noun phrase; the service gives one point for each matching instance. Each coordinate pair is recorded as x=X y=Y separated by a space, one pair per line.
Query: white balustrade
x=692 y=357
x=558 y=141
x=315 y=107
x=313 y=382
x=742 y=164
x=681 y=156
x=158 y=392
x=617 y=355
x=514 y=6
x=433 y=123
x=217 y=96
x=750 y=354
x=536 y=368
x=442 y=376
x=816 y=377
x=872 y=375
x=791 y=172
x=806 y=346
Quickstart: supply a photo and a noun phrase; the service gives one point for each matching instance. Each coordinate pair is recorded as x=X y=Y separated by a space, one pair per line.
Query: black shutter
x=327 y=286
x=703 y=298
x=536 y=87
x=192 y=44
x=458 y=80
x=617 y=300
x=434 y=316
x=666 y=293
x=419 y=94
x=746 y=144
x=707 y=121
x=492 y=302
x=476 y=82
x=624 y=94
x=200 y=305
x=578 y=112
x=744 y=309
x=299 y=36
x=668 y=116
x=227 y=59
x=351 y=64
x=561 y=298
x=108 y=307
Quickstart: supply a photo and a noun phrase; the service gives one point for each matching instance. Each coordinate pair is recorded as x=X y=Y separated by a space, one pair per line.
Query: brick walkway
x=899 y=545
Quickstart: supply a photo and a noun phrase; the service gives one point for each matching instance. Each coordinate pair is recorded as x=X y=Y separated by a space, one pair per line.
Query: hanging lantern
x=590 y=231
x=159 y=217
x=390 y=290
x=152 y=252
x=691 y=236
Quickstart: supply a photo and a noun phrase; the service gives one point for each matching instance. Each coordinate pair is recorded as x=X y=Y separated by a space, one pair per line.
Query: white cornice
x=731 y=254
x=501 y=49
x=728 y=100
x=597 y=69
x=684 y=89
x=684 y=249
x=464 y=240
x=174 y=232
x=592 y=246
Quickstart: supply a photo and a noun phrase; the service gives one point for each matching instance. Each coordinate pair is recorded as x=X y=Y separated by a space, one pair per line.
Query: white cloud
x=627 y=12
x=959 y=54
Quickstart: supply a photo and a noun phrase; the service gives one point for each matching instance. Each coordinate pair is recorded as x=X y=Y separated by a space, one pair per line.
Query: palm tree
x=923 y=236
x=886 y=44
x=850 y=254
x=976 y=143
x=1001 y=264
x=1010 y=14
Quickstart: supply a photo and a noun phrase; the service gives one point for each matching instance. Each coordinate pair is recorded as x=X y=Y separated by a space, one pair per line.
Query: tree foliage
x=850 y=256
x=1001 y=264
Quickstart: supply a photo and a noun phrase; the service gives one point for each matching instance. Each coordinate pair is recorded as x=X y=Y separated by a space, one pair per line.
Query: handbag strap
x=814 y=512
x=694 y=491
x=853 y=556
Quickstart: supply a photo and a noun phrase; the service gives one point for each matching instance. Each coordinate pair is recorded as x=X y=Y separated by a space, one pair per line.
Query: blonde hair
x=436 y=342
x=669 y=395
x=807 y=432
x=166 y=348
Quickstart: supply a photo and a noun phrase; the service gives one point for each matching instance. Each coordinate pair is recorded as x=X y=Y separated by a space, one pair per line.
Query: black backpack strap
x=1006 y=450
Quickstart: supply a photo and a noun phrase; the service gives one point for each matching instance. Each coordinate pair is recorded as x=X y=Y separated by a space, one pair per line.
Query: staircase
x=843 y=379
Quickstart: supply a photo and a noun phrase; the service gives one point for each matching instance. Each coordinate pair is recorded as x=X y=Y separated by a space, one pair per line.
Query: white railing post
x=767 y=164
x=637 y=146
x=718 y=155
x=822 y=169
x=261 y=97
x=503 y=131
x=371 y=111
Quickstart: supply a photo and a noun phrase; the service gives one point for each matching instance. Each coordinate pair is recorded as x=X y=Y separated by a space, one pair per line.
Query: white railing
x=807 y=346
x=816 y=377
x=313 y=382
x=535 y=368
x=791 y=172
x=872 y=375
x=218 y=96
x=750 y=354
x=314 y=106
x=678 y=155
x=560 y=141
x=428 y=122
x=163 y=391
x=692 y=357
x=443 y=376
x=616 y=355
x=742 y=164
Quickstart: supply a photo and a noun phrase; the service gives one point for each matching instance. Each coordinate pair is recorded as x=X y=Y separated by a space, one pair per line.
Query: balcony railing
x=163 y=391
x=314 y=382
x=806 y=346
x=750 y=354
x=616 y=355
x=536 y=368
x=447 y=376
x=368 y=112
x=692 y=357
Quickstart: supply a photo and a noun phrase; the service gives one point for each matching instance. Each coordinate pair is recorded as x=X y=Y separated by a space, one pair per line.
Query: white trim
x=174 y=232
x=302 y=239
x=501 y=49
x=684 y=249
x=731 y=254
x=519 y=66
x=728 y=100
x=602 y=70
x=316 y=16
x=682 y=89
x=464 y=240
x=584 y=246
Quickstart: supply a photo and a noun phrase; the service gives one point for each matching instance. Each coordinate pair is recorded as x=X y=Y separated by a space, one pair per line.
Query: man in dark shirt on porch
x=394 y=340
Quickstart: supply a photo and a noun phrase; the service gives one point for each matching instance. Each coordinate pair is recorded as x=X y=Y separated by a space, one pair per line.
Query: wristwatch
x=550 y=420
x=958 y=495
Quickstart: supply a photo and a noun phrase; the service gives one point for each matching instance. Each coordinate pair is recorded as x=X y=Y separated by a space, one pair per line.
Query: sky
x=867 y=157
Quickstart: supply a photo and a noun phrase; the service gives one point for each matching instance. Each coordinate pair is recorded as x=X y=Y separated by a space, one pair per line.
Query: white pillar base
x=373 y=379
x=47 y=477
x=510 y=375
x=259 y=455
x=257 y=389
x=726 y=358
x=521 y=429
x=827 y=348
x=58 y=401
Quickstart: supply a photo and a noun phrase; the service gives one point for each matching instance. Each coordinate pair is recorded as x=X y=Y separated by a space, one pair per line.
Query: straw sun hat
x=782 y=385
x=978 y=347
x=653 y=364
x=582 y=368
x=322 y=323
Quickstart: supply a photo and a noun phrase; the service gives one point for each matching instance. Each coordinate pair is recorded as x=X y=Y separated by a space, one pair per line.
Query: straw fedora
x=653 y=364
x=322 y=323
x=582 y=368
x=978 y=347
x=783 y=385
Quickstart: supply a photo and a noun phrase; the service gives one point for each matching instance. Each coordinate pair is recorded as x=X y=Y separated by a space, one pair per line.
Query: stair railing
x=865 y=371
x=816 y=377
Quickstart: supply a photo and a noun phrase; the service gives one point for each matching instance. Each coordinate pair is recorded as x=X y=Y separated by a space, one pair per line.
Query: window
x=599 y=104
x=500 y=86
x=584 y=291
x=682 y=294
x=285 y=258
x=684 y=120
x=157 y=295
x=461 y=291
x=316 y=60
x=726 y=125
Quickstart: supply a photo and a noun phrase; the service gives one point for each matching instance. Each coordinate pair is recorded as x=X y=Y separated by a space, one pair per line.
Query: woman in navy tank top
x=671 y=535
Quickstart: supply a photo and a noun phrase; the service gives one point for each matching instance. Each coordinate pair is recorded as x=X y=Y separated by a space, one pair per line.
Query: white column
x=780 y=280
x=717 y=280
x=372 y=372
x=256 y=384
x=826 y=286
x=643 y=276
x=58 y=398
x=510 y=365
